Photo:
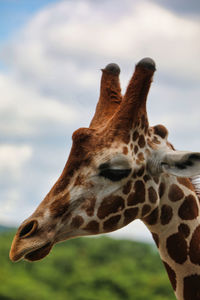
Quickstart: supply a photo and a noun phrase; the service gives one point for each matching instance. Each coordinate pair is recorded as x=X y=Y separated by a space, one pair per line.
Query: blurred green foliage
x=86 y=269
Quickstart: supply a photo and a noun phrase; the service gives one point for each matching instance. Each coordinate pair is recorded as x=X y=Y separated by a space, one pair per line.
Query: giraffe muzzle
x=39 y=253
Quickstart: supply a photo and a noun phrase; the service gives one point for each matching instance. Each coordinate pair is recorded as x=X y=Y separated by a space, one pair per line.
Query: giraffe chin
x=39 y=253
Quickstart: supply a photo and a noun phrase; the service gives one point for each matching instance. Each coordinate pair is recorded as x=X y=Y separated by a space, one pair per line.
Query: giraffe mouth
x=39 y=253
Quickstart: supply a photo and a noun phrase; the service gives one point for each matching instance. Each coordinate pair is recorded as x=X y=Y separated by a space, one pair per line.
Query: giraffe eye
x=114 y=174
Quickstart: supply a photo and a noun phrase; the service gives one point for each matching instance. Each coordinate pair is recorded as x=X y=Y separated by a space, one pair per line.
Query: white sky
x=50 y=84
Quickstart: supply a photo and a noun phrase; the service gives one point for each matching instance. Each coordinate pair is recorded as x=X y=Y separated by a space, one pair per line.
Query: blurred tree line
x=86 y=269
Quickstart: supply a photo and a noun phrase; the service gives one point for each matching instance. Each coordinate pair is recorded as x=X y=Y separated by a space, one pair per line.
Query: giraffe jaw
x=39 y=253
x=29 y=254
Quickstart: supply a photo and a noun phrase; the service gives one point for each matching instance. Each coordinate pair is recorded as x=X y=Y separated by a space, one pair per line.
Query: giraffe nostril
x=28 y=229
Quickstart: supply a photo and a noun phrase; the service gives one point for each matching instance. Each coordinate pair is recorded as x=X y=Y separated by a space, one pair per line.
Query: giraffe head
x=111 y=176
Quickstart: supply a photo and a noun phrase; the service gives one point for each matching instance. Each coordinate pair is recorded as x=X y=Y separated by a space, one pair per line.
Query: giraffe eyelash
x=114 y=174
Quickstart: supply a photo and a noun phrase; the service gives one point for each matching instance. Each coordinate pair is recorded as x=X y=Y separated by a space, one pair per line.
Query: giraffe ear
x=181 y=163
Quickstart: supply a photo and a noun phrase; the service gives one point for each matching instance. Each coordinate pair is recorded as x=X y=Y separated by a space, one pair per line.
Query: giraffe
x=121 y=169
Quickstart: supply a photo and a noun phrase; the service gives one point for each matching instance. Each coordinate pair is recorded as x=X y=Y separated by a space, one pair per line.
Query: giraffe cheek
x=89 y=206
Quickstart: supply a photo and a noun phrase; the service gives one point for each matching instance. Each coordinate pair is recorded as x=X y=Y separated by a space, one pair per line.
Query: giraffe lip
x=39 y=253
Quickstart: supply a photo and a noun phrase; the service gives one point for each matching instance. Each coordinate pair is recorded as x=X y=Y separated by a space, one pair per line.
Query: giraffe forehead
x=101 y=146
x=86 y=157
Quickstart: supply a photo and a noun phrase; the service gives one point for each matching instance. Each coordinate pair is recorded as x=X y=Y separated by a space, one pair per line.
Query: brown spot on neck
x=188 y=209
x=152 y=218
x=111 y=224
x=130 y=214
x=171 y=274
x=194 y=250
x=146 y=209
x=152 y=195
x=192 y=287
x=186 y=182
x=177 y=247
x=156 y=238
x=184 y=229
x=146 y=177
x=92 y=227
x=166 y=214
x=175 y=193
x=161 y=189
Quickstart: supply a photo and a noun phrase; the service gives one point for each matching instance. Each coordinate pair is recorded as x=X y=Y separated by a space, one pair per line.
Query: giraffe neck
x=175 y=227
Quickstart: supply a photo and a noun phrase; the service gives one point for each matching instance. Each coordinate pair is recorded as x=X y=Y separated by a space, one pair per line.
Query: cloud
x=60 y=48
x=25 y=112
x=54 y=61
x=12 y=160
x=189 y=8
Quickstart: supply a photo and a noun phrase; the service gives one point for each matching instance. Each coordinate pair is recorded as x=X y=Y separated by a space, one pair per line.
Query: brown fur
x=171 y=274
x=130 y=214
x=166 y=214
x=184 y=229
x=177 y=247
x=156 y=238
x=192 y=287
x=188 y=209
x=92 y=227
x=111 y=223
x=194 y=247
x=109 y=100
x=138 y=196
x=152 y=195
x=186 y=182
x=146 y=209
x=175 y=193
x=161 y=131
x=110 y=205
x=152 y=218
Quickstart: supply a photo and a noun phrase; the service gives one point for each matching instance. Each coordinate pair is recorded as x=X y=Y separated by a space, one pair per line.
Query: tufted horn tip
x=147 y=63
x=113 y=69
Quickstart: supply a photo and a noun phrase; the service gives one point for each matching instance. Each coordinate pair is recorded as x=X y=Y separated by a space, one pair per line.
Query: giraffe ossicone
x=121 y=169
